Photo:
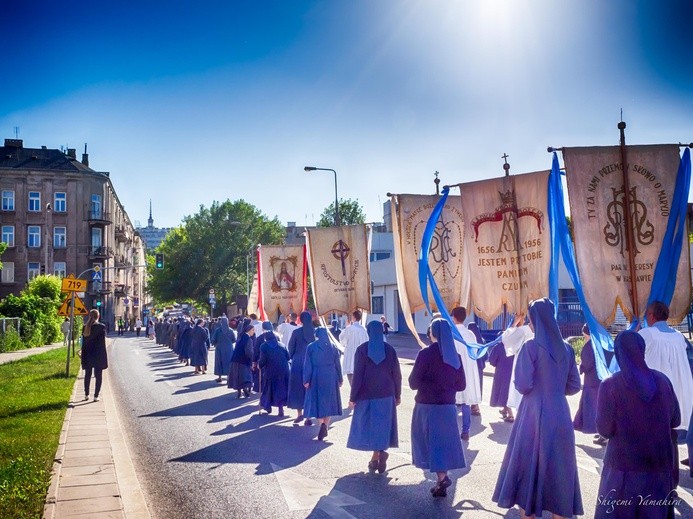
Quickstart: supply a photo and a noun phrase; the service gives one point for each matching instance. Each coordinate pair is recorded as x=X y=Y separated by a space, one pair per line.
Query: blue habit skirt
x=435 y=438
x=374 y=425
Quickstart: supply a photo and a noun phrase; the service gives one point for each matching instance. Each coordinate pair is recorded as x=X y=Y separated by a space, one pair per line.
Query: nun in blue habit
x=274 y=363
x=199 y=342
x=223 y=339
x=322 y=378
x=240 y=376
x=376 y=390
x=638 y=412
x=258 y=340
x=300 y=338
x=539 y=469
x=437 y=376
x=184 y=343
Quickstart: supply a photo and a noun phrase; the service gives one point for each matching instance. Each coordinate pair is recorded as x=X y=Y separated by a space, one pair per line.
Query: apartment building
x=61 y=217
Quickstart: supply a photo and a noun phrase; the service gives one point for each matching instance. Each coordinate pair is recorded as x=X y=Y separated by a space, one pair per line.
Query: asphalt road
x=201 y=453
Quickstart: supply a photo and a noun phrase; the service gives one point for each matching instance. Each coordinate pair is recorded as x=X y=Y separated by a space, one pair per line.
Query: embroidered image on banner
x=507 y=241
x=598 y=204
x=339 y=268
x=446 y=258
x=282 y=279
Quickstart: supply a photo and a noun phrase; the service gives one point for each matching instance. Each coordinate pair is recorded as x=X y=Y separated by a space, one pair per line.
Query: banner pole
x=630 y=238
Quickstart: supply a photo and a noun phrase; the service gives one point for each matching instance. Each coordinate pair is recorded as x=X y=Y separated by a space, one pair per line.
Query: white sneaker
x=96 y=399
x=86 y=397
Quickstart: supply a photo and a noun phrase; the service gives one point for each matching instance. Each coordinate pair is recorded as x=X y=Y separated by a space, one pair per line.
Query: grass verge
x=34 y=394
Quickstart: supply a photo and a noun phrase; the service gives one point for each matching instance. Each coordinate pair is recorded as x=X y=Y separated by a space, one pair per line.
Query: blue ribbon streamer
x=561 y=243
x=664 y=279
x=474 y=350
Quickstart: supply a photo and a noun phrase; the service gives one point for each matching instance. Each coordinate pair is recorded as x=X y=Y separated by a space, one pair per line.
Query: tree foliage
x=3 y=247
x=350 y=213
x=211 y=250
x=37 y=306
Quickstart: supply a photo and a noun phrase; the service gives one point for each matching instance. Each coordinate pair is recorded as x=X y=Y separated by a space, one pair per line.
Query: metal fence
x=14 y=322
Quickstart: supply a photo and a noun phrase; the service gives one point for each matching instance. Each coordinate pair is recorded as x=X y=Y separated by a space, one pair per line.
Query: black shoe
x=298 y=420
x=308 y=422
x=323 y=432
x=465 y=436
x=440 y=489
x=686 y=462
x=601 y=441
x=238 y=394
x=382 y=462
x=372 y=466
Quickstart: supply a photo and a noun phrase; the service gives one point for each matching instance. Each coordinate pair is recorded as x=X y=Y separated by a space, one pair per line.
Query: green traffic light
x=98 y=303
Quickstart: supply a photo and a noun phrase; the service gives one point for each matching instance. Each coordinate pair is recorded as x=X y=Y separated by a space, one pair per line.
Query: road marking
x=169 y=383
x=302 y=493
x=137 y=352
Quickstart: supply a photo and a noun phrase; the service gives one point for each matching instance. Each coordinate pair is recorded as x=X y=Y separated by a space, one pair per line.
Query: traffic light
x=43 y=270
x=98 y=303
x=159 y=260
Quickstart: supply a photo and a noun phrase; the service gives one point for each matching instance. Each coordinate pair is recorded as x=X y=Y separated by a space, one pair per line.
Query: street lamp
x=336 y=201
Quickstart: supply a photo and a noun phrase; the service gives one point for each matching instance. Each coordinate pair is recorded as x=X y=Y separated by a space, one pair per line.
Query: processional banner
x=598 y=212
x=410 y=213
x=253 y=299
x=339 y=268
x=507 y=241
x=281 y=279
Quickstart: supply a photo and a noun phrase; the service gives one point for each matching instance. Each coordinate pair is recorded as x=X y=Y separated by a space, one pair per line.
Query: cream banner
x=598 y=208
x=410 y=214
x=282 y=275
x=339 y=268
x=253 y=301
x=507 y=239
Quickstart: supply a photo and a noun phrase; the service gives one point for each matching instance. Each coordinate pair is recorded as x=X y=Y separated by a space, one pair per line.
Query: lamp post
x=336 y=200
x=47 y=234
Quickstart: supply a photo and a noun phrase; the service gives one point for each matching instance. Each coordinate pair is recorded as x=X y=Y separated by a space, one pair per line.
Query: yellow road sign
x=80 y=309
x=71 y=284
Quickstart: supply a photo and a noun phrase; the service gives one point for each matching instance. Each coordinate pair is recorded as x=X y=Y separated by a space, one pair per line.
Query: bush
x=577 y=343
x=10 y=340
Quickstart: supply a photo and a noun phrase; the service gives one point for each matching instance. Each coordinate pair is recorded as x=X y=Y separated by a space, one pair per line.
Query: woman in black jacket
x=93 y=352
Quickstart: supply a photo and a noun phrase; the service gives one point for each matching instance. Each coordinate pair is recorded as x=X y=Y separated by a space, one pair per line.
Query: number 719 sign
x=72 y=284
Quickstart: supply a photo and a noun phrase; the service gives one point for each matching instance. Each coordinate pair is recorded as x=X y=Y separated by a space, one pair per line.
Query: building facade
x=152 y=236
x=61 y=217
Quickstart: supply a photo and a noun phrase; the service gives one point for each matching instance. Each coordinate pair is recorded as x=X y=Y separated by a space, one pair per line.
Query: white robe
x=351 y=338
x=285 y=330
x=513 y=340
x=472 y=393
x=666 y=352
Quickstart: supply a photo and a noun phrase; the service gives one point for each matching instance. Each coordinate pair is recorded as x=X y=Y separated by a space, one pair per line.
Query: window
x=96 y=206
x=34 y=236
x=7 y=272
x=8 y=235
x=59 y=237
x=34 y=201
x=59 y=268
x=33 y=270
x=8 y=200
x=380 y=255
x=377 y=305
x=96 y=237
x=60 y=203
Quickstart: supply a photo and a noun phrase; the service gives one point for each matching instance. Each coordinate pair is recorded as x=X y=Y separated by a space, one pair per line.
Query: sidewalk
x=11 y=356
x=93 y=475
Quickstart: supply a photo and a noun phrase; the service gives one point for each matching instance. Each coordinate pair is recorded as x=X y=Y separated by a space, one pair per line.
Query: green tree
x=211 y=250
x=350 y=213
x=3 y=246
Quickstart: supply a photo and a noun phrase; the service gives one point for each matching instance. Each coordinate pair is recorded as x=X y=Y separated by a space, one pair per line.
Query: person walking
x=500 y=390
x=121 y=326
x=351 y=338
x=322 y=378
x=240 y=377
x=471 y=396
x=274 y=363
x=94 y=357
x=386 y=326
x=300 y=338
x=539 y=469
x=638 y=412
x=138 y=326
x=65 y=328
x=437 y=376
x=199 y=345
x=222 y=340
x=375 y=394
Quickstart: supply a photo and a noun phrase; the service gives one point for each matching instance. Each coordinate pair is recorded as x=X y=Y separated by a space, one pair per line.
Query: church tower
x=150 y=221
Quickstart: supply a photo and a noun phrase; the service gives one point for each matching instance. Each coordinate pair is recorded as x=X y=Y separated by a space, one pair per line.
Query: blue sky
x=190 y=102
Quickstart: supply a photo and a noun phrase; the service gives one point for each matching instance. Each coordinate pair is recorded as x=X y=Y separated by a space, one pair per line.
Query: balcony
x=98 y=217
x=100 y=252
x=121 y=234
x=122 y=261
x=97 y=288
x=120 y=290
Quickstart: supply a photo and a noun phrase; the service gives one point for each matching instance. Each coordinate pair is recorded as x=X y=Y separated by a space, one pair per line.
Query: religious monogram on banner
x=507 y=242
x=598 y=212
x=446 y=258
x=282 y=279
x=339 y=268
